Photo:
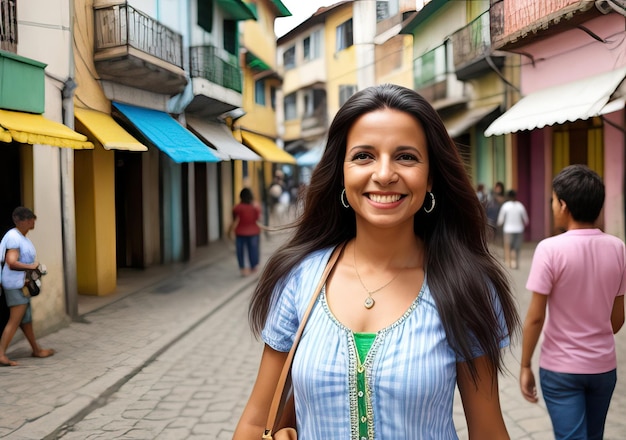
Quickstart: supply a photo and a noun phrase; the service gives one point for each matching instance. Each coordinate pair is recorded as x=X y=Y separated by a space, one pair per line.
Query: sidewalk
x=114 y=339
x=155 y=309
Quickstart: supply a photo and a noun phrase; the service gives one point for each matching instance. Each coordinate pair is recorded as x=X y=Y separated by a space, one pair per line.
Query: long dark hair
x=463 y=276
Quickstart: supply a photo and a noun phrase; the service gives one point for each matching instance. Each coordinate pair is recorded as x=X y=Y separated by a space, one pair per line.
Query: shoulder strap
x=282 y=391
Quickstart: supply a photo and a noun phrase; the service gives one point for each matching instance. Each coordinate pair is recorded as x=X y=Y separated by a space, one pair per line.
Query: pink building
x=570 y=104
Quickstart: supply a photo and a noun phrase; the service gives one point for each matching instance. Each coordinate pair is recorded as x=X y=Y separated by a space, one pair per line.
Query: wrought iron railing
x=206 y=63
x=123 y=25
x=8 y=26
x=472 y=41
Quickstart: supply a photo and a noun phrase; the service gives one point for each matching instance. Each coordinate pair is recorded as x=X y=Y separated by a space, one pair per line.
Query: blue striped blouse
x=410 y=369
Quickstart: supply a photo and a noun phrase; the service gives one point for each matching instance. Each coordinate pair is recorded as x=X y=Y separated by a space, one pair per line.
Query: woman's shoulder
x=312 y=262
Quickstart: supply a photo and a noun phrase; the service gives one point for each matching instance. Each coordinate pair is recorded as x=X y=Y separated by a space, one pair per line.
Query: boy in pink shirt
x=579 y=278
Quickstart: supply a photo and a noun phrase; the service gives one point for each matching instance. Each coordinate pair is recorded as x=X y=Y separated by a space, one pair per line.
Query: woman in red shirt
x=246 y=215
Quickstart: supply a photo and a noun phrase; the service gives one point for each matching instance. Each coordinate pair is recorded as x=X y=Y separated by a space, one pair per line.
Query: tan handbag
x=283 y=387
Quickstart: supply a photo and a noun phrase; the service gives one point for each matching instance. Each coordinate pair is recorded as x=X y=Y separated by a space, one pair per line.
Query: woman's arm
x=252 y=422
x=481 y=401
x=12 y=260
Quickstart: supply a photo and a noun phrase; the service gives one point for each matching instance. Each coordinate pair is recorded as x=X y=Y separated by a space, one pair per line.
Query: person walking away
x=577 y=280
x=415 y=305
x=245 y=227
x=494 y=203
x=513 y=218
x=18 y=255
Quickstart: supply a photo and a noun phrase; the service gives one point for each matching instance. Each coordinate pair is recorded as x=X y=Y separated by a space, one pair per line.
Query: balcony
x=314 y=124
x=216 y=79
x=8 y=26
x=521 y=22
x=472 y=49
x=137 y=51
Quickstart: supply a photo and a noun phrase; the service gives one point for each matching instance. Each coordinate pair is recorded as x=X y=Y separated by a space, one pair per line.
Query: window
x=259 y=92
x=345 y=92
x=290 y=107
x=312 y=46
x=289 y=58
x=386 y=9
x=430 y=67
x=344 y=35
x=313 y=100
x=273 y=97
x=230 y=37
x=308 y=103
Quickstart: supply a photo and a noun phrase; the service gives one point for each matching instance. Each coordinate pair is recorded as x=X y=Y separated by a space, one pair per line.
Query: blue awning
x=165 y=133
x=312 y=157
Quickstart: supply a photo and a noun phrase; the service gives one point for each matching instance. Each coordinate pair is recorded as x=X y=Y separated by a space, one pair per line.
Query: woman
x=18 y=256
x=415 y=305
x=245 y=226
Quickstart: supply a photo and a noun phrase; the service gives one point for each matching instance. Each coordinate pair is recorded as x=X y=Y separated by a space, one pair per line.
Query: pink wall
x=566 y=57
x=574 y=54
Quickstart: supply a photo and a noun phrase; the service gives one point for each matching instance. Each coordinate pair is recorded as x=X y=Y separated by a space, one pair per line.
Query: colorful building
x=572 y=88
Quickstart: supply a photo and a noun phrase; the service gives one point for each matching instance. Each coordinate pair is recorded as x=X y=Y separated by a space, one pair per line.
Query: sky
x=300 y=11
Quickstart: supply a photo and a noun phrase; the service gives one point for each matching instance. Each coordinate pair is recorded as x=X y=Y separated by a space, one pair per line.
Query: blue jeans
x=250 y=244
x=577 y=403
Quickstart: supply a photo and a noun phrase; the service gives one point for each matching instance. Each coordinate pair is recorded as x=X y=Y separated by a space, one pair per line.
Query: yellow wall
x=341 y=65
x=94 y=174
x=95 y=221
x=487 y=90
x=258 y=36
x=394 y=61
x=258 y=118
x=292 y=130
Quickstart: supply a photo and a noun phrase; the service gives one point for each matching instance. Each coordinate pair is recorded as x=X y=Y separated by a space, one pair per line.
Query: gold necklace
x=369 y=301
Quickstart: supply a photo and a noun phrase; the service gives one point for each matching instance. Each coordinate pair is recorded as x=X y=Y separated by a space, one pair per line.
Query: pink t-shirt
x=582 y=271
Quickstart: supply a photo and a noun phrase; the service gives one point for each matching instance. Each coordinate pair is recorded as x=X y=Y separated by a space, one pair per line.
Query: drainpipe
x=66 y=156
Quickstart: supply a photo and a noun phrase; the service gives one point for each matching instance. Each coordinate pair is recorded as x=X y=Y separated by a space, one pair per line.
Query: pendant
x=369 y=302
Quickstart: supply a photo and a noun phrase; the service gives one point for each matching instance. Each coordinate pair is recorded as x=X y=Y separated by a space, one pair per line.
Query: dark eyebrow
x=400 y=148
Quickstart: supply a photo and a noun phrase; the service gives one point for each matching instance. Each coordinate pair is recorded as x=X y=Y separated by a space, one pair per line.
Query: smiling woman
x=415 y=304
x=386 y=168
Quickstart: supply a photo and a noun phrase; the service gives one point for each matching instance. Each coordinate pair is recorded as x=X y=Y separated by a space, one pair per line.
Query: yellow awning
x=267 y=148
x=28 y=128
x=5 y=136
x=102 y=127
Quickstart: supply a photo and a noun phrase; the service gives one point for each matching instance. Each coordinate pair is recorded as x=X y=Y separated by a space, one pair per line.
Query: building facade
x=572 y=89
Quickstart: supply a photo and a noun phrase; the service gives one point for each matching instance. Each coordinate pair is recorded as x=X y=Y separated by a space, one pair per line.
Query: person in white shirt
x=513 y=219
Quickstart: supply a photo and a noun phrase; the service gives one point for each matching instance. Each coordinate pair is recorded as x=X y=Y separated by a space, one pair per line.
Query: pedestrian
x=578 y=279
x=513 y=218
x=246 y=229
x=481 y=193
x=415 y=306
x=18 y=256
x=494 y=203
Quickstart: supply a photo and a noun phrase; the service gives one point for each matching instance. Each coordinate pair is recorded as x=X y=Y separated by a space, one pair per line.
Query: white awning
x=571 y=101
x=458 y=123
x=221 y=138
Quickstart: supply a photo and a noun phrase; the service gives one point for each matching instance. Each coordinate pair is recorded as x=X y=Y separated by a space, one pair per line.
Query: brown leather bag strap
x=281 y=394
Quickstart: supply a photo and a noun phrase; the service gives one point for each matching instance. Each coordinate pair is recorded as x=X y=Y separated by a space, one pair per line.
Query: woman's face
x=386 y=168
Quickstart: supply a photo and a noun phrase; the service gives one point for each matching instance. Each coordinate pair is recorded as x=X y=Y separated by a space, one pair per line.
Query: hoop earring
x=432 y=203
x=344 y=199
